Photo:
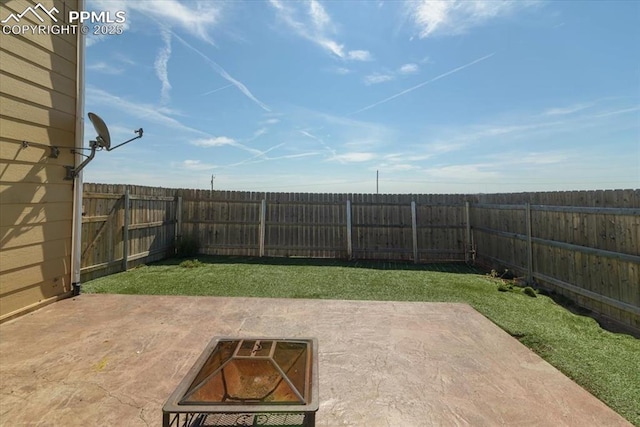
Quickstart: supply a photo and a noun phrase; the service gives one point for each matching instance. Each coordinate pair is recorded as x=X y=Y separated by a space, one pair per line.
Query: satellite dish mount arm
x=72 y=172
x=138 y=131
x=102 y=141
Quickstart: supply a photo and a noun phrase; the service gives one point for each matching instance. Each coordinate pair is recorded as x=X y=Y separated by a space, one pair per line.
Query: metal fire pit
x=248 y=382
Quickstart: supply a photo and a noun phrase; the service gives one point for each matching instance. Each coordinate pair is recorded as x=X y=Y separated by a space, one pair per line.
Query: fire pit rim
x=172 y=404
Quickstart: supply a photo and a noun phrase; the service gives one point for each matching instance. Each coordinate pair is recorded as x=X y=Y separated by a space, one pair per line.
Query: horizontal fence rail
x=582 y=244
x=332 y=226
x=591 y=254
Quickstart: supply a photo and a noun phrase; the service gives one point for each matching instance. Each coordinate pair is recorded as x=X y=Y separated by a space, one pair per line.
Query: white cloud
x=538 y=158
x=318 y=15
x=124 y=59
x=258 y=156
x=442 y=147
x=160 y=66
x=359 y=55
x=264 y=158
x=411 y=89
x=468 y=172
x=617 y=112
x=223 y=73
x=354 y=157
x=197 y=21
x=197 y=18
x=395 y=167
x=320 y=140
x=341 y=70
x=217 y=141
x=458 y=16
x=146 y=112
x=222 y=141
x=311 y=21
x=260 y=132
x=295 y=156
x=376 y=78
x=540 y=130
x=566 y=110
x=103 y=67
x=277 y=4
x=332 y=46
x=345 y=134
x=408 y=69
x=110 y=6
x=195 y=165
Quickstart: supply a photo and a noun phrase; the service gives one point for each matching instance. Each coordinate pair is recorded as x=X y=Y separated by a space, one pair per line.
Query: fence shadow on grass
x=450 y=267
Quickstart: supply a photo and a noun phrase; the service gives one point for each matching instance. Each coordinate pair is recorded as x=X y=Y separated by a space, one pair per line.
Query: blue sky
x=439 y=97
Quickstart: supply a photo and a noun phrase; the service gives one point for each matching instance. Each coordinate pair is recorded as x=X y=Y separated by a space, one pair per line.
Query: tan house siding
x=38 y=96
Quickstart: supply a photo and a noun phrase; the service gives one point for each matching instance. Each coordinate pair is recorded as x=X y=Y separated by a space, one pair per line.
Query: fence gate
x=121 y=229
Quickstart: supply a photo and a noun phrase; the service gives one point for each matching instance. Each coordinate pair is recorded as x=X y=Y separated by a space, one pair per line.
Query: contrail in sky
x=260 y=154
x=411 y=89
x=224 y=74
x=216 y=90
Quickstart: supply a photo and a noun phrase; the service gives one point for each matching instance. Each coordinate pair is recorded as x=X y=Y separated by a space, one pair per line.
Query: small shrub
x=191 y=263
x=503 y=288
x=506 y=274
x=530 y=292
x=187 y=247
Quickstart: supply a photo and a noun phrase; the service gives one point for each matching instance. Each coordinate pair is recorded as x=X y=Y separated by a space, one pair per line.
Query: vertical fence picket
x=529 y=243
x=414 y=232
x=125 y=230
x=349 y=231
x=263 y=225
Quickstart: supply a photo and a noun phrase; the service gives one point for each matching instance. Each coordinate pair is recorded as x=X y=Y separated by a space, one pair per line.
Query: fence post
x=125 y=231
x=349 y=237
x=529 y=244
x=263 y=225
x=469 y=248
x=414 y=229
x=178 y=231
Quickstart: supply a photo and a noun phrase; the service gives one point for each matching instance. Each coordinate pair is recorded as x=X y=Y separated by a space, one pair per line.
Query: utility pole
x=212 y=178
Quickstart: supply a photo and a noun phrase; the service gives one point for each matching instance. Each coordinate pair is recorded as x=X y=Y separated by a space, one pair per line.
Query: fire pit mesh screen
x=243 y=371
x=228 y=420
x=250 y=381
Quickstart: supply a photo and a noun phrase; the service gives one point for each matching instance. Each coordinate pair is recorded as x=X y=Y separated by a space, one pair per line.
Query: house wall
x=38 y=96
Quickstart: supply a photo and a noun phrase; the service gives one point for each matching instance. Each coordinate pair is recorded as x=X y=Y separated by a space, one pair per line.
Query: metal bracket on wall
x=54 y=153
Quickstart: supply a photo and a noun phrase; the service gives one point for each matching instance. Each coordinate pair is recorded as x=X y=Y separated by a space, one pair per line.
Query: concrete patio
x=114 y=359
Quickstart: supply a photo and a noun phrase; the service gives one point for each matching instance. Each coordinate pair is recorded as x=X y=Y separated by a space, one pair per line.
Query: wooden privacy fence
x=591 y=254
x=123 y=226
x=583 y=244
x=394 y=227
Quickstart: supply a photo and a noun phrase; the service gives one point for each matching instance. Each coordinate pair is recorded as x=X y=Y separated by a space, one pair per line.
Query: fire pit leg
x=310 y=419
x=259 y=381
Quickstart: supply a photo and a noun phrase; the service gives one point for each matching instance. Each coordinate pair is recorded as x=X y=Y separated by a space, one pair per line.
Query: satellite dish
x=102 y=142
x=103 y=139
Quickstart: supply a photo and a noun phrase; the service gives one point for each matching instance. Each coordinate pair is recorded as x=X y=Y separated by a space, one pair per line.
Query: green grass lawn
x=605 y=363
